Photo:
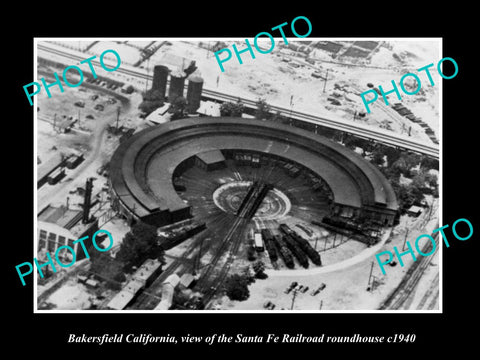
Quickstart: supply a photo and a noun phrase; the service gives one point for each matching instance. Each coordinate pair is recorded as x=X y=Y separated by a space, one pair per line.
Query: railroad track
x=383 y=136
x=209 y=282
x=402 y=292
x=433 y=289
x=148 y=298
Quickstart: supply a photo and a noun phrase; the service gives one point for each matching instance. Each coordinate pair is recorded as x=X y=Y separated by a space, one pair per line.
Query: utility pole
x=196 y=266
x=321 y=304
x=325 y=83
x=118 y=116
x=291 y=110
x=294 y=295
x=87 y=200
x=430 y=211
x=370 y=276
x=146 y=80
x=405 y=240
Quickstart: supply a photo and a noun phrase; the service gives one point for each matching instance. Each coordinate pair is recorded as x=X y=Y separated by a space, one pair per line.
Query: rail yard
x=262 y=208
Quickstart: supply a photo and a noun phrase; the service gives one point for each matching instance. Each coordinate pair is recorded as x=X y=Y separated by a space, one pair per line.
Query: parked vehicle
x=318 y=289
x=290 y=287
x=269 y=305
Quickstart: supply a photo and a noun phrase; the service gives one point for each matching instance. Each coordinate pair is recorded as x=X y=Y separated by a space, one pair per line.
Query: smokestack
x=87 y=200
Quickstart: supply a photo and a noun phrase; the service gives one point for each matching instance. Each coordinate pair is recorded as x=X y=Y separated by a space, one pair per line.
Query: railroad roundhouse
x=142 y=167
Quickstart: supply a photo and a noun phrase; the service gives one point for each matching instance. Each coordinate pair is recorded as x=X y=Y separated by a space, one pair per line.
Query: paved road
x=50 y=194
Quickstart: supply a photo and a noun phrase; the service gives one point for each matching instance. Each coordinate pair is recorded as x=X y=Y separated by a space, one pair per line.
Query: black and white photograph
x=205 y=182
x=270 y=186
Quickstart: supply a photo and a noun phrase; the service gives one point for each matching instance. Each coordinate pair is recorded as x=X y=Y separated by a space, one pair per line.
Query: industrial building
x=194 y=93
x=62 y=225
x=177 y=84
x=45 y=169
x=168 y=290
x=175 y=79
x=142 y=278
x=160 y=115
x=53 y=170
x=57 y=226
x=159 y=83
x=209 y=108
x=141 y=169
x=210 y=160
x=74 y=160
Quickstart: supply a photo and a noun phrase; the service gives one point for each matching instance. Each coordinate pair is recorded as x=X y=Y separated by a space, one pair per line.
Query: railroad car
x=296 y=250
x=269 y=244
x=285 y=253
x=258 y=242
x=302 y=243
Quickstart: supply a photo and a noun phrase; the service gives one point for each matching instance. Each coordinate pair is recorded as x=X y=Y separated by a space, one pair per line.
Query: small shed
x=414 y=211
x=187 y=280
x=210 y=160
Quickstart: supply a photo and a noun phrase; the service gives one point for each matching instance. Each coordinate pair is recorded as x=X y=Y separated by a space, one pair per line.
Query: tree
x=418 y=181
x=405 y=163
x=140 y=243
x=411 y=160
x=378 y=157
x=431 y=180
x=251 y=253
x=258 y=269
x=236 y=287
x=263 y=110
x=405 y=198
x=408 y=195
x=152 y=100
x=392 y=154
x=349 y=141
x=232 y=109
x=428 y=163
x=152 y=95
x=280 y=118
x=107 y=268
x=368 y=146
x=425 y=182
x=247 y=274
x=179 y=104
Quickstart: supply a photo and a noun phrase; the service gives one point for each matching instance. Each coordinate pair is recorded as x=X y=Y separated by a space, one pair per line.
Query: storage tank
x=177 y=83
x=159 y=83
x=194 y=93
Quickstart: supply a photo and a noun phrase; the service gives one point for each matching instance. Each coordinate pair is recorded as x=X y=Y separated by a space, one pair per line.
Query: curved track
x=403 y=291
x=142 y=167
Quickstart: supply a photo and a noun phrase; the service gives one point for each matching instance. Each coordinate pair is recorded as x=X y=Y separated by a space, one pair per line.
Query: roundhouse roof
x=141 y=168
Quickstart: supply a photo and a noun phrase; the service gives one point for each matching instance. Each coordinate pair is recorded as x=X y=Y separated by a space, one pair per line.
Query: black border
x=46 y=332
